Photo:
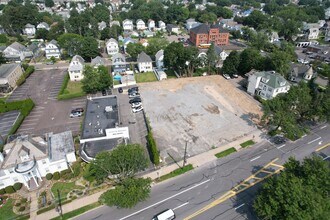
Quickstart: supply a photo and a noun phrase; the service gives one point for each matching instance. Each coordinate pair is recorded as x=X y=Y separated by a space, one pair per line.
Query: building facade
x=9 y=74
x=76 y=68
x=206 y=34
x=53 y=50
x=112 y=46
x=144 y=63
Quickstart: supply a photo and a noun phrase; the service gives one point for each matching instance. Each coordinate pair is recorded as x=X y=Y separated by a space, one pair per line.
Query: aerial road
x=213 y=191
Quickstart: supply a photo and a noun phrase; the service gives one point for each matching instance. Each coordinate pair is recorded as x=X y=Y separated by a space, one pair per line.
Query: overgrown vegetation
x=96 y=79
x=145 y=77
x=152 y=146
x=70 y=90
x=28 y=70
x=226 y=152
x=175 y=173
x=247 y=143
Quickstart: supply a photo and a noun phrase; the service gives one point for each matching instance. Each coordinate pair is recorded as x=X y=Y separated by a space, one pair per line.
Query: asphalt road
x=189 y=193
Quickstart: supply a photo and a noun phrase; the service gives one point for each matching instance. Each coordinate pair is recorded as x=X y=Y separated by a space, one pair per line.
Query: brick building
x=205 y=34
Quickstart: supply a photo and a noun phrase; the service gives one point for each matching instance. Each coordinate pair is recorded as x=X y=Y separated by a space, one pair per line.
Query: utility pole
x=185 y=155
x=59 y=203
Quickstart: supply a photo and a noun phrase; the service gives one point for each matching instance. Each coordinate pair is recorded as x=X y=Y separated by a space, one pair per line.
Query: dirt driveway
x=204 y=111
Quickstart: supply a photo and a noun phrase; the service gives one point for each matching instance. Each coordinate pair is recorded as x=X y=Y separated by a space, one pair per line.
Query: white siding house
x=43 y=25
x=112 y=46
x=29 y=30
x=76 y=68
x=53 y=50
x=266 y=84
x=151 y=25
x=144 y=62
x=160 y=59
x=128 y=25
x=162 y=25
x=140 y=25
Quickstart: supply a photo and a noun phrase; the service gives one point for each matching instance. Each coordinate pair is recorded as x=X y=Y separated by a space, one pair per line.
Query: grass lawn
x=73 y=87
x=225 y=152
x=145 y=77
x=116 y=82
x=64 y=188
x=176 y=172
x=247 y=143
x=78 y=211
x=7 y=211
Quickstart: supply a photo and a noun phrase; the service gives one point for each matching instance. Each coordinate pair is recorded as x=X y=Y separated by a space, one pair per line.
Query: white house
x=128 y=25
x=311 y=30
x=27 y=159
x=144 y=62
x=160 y=59
x=162 y=25
x=53 y=50
x=172 y=28
x=76 y=68
x=266 y=84
x=102 y=25
x=15 y=51
x=191 y=23
x=29 y=30
x=43 y=25
x=140 y=25
x=151 y=25
x=112 y=46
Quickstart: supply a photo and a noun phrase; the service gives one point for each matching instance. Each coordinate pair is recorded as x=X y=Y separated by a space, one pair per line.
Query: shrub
x=152 y=147
x=56 y=176
x=20 y=81
x=66 y=174
x=18 y=204
x=64 y=84
x=23 y=200
x=49 y=176
x=9 y=189
x=2 y=191
x=29 y=70
x=18 y=186
x=76 y=169
x=21 y=209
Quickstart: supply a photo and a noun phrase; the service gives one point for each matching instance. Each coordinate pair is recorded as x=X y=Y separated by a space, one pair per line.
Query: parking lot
x=49 y=115
x=205 y=112
x=7 y=120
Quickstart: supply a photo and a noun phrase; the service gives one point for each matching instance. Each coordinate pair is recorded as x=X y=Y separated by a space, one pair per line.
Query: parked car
x=50 y=63
x=165 y=215
x=278 y=139
x=133 y=89
x=77 y=110
x=235 y=75
x=75 y=114
x=226 y=76
x=136 y=99
x=136 y=104
x=120 y=90
x=133 y=95
x=138 y=109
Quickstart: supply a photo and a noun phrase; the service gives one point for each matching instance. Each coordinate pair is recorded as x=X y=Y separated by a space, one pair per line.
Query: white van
x=165 y=215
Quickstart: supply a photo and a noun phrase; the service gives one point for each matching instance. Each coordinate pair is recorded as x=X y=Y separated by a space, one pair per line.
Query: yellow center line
x=321 y=148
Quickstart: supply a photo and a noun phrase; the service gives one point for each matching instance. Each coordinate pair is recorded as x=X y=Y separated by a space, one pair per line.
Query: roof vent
x=108 y=109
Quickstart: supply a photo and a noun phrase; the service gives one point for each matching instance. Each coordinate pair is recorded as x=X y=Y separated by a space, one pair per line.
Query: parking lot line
x=28 y=124
x=25 y=129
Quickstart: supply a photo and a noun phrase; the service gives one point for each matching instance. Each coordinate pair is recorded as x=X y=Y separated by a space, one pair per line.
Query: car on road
x=138 y=109
x=50 y=63
x=278 y=139
x=226 y=76
x=120 y=90
x=136 y=104
x=75 y=114
x=165 y=215
x=136 y=99
x=133 y=95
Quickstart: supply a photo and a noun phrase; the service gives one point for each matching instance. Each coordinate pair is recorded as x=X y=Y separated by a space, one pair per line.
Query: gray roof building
x=7 y=69
x=144 y=58
x=98 y=61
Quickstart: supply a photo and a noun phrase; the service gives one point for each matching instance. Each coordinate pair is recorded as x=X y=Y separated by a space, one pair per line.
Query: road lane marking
x=326 y=157
x=314 y=140
x=239 y=206
x=180 y=206
x=164 y=200
x=256 y=158
x=323 y=127
x=304 y=136
x=281 y=146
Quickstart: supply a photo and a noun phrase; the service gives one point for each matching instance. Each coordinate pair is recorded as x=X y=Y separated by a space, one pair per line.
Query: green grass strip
x=247 y=143
x=176 y=172
x=225 y=152
x=78 y=211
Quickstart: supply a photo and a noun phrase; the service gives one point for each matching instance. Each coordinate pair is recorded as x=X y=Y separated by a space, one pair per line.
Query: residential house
x=128 y=25
x=151 y=25
x=266 y=84
x=311 y=31
x=172 y=28
x=191 y=23
x=147 y=33
x=160 y=59
x=102 y=25
x=206 y=34
x=327 y=13
x=300 y=72
x=76 y=68
x=112 y=23
x=112 y=46
x=53 y=50
x=140 y=25
x=161 y=25
x=28 y=159
x=144 y=62
x=43 y=25
x=127 y=41
x=97 y=61
x=9 y=75
x=222 y=55
x=29 y=30
x=118 y=63
x=15 y=52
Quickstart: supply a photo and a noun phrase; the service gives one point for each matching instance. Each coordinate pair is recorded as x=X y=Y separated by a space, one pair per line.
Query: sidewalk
x=196 y=161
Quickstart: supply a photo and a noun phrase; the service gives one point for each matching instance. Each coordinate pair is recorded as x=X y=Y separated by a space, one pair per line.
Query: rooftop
x=101 y=113
x=59 y=145
x=6 y=69
x=143 y=57
x=272 y=79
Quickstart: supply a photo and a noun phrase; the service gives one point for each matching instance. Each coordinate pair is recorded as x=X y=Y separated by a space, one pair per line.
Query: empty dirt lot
x=205 y=111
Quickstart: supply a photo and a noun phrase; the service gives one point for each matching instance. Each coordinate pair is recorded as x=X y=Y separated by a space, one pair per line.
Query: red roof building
x=206 y=34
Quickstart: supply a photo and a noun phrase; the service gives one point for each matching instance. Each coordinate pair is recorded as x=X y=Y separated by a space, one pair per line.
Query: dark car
x=137 y=99
x=104 y=92
x=133 y=89
x=278 y=139
x=120 y=90
x=77 y=110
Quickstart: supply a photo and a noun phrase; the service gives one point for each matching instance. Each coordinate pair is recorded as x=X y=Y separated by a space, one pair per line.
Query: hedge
x=18 y=186
x=64 y=84
x=56 y=176
x=49 y=176
x=70 y=96
x=9 y=189
x=2 y=191
x=28 y=71
x=154 y=155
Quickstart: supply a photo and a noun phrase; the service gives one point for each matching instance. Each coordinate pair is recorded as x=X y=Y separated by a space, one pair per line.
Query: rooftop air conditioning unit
x=108 y=109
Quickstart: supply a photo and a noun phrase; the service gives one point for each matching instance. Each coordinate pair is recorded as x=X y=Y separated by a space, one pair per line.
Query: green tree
x=56 y=30
x=231 y=63
x=122 y=162
x=105 y=33
x=156 y=44
x=115 y=31
x=300 y=192
x=71 y=43
x=128 y=193
x=105 y=79
x=134 y=50
x=101 y=13
x=89 y=48
x=42 y=34
x=280 y=62
x=49 y=3
x=3 y=39
x=208 y=17
x=249 y=59
x=212 y=58
x=2 y=59
x=96 y=79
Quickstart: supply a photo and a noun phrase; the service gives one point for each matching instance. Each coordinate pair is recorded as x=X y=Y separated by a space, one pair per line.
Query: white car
x=133 y=95
x=235 y=75
x=226 y=76
x=136 y=104
x=138 y=109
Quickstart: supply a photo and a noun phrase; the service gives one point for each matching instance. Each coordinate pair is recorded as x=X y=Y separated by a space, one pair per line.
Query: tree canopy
x=300 y=192
x=96 y=79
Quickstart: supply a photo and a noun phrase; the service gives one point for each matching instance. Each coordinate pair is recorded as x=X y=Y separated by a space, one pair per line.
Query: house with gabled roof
x=128 y=25
x=76 y=68
x=140 y=25
x=15 y=52
x=53 y=50
x=43 y=25
x=29 y=30
x=112 y=46
x=118 y=63
x=144 y=62
x=97 y=61
x=151 y=25
x=299 y=72
x=162 y=25
x=266 y=84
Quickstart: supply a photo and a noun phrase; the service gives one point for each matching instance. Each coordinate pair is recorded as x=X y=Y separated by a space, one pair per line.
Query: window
x=43 y=161
x=270 y=89
x=59 y=167
x=11 y=171
x=15 y=179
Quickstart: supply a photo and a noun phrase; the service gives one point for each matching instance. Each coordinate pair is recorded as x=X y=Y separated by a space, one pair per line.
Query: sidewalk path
x=196 y=161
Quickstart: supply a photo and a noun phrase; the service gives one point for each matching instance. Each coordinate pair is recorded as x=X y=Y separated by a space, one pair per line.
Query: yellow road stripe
x=324 y=146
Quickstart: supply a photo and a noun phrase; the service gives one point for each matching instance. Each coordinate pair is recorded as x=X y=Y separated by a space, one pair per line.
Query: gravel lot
x=204 y=111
